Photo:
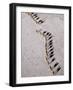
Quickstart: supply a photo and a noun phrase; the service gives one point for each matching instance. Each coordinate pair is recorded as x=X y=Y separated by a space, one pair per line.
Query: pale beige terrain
x=33 y=62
